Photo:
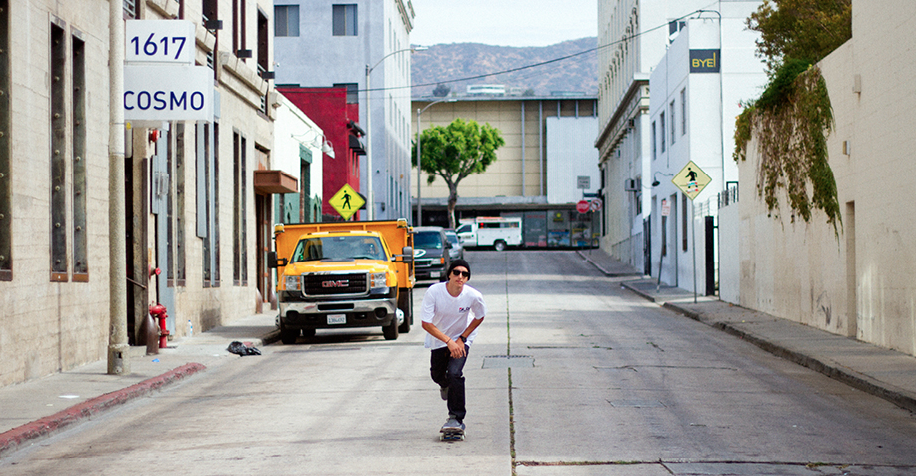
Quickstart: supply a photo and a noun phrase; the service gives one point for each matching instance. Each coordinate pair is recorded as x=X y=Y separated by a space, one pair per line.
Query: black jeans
x=448 y=372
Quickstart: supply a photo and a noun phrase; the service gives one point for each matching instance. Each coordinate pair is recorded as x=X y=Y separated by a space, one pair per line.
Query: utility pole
x=118 y=360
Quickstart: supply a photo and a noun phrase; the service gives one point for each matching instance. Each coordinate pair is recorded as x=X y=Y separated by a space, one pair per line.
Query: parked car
x=430 y=252
x=457 y=250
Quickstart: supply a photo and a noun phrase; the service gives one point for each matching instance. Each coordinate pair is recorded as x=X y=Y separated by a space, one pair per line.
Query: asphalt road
x=571 y=375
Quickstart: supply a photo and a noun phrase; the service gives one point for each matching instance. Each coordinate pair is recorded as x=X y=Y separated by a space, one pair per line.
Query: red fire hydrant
x=158 y=312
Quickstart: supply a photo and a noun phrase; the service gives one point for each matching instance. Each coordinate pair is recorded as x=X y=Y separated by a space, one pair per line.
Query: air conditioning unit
x=630 y=185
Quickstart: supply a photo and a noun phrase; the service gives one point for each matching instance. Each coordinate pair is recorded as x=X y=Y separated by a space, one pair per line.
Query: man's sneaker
x=443 y=392
x=453 y=424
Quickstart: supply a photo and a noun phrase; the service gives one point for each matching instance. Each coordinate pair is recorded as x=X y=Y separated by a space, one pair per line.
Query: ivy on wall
x=793 y=117
x=791 y=121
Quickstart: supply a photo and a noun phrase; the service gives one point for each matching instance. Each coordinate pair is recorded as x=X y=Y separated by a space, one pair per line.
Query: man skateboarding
x=451 y=313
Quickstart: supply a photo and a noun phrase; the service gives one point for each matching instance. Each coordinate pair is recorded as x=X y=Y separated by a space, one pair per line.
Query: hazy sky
x=503 y=22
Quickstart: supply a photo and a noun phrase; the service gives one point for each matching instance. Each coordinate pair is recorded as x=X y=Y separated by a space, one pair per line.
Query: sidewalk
x=882 y=372
x=39 y=408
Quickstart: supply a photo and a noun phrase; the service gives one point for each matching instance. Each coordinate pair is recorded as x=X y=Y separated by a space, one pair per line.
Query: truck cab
x=344 y=274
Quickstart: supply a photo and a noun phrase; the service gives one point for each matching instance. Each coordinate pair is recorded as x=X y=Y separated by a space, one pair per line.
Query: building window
x=78 y=167
x=58 y=122
x=654 y=142
x=264 y=48
x=130 y=8
x=286 y=20
x=672 y=121
x=210 y=10
x=239 y=216
x=208 y=200
x=6 y=195
x=661 y=130
x=239 y=24
x=683 y=111
x=344 y=20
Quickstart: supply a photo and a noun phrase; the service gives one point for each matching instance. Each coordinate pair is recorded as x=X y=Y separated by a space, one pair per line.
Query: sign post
x=691 y=180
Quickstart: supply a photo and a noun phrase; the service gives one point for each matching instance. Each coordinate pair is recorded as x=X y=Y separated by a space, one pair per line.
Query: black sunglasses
x=466 y=274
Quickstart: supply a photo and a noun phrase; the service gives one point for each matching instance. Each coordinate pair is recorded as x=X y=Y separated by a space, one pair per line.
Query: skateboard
x=451 y=434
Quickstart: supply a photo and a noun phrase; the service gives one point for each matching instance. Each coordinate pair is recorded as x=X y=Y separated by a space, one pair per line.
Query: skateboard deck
x=451 y=434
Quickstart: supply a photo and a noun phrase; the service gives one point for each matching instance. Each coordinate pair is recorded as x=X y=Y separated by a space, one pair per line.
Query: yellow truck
x=344 y=274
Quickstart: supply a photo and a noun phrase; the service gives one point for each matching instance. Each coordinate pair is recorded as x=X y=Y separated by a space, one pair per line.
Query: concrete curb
x=611 y=274
x=45 y=427
x=897 y=396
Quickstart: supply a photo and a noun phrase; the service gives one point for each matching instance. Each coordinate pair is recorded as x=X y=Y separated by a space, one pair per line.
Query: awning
x=274 y=181
x=357 y=146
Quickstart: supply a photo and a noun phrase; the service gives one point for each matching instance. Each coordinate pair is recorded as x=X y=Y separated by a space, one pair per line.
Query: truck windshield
x=339 y=248
x=427 y=240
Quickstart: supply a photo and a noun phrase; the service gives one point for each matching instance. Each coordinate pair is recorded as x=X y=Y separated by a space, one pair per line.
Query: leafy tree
x=805 y=30
x=793 y=115
x=441 y=90
x=455 y=151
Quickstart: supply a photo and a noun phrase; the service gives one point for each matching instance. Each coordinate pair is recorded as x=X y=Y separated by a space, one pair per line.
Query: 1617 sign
x=160 y=41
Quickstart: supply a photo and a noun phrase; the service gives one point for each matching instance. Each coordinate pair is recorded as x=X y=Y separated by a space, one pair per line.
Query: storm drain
x=507 y=361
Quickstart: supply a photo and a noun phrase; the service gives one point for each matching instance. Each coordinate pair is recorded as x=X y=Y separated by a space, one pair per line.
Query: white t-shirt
x=451 y=315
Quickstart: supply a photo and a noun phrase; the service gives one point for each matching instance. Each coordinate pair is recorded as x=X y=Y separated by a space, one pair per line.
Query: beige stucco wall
x=861 y=282
x=52 y=326
x=49 y=326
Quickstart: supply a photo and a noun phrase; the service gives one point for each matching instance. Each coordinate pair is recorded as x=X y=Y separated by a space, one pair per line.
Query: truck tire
x=289 y=336
x=405 y=304
x=500 y=245
x=391 y=330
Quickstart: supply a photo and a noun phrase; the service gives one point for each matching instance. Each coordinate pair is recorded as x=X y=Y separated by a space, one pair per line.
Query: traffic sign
x=691 y=180
x=346 y=201
x=583 y=206
x=595 y=204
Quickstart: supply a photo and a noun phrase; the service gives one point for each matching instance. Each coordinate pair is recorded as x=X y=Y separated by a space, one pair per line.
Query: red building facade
x=337 y=117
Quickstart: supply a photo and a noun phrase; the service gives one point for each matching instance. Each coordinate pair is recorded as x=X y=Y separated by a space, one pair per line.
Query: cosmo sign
x=168 y=93
x=161 y=82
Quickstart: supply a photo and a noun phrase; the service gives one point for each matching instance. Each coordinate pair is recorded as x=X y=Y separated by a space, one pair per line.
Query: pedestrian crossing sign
x=347 y=201
x=691 y=180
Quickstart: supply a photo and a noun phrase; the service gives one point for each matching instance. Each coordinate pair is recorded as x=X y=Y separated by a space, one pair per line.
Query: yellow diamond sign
x=691 y=180
x=347 y=201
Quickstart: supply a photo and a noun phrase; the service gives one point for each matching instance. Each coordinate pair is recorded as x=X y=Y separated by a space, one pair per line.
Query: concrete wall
x=58 y=323
x=859 y=282
x=49 y=326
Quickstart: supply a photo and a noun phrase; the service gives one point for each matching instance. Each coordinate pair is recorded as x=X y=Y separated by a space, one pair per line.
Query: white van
x=497 y=232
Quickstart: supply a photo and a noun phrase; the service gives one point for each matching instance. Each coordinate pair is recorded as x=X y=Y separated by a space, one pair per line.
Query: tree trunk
x=452 y=201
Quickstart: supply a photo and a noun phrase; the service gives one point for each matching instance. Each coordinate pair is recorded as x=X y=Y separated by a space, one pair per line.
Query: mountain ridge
x=458 y=65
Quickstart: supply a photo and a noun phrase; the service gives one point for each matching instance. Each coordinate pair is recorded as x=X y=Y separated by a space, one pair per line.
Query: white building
x=321 y=43
x=697 y=89
x=634 y=36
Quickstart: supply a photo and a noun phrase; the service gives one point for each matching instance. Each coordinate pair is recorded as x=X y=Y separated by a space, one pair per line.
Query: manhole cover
x=507 y=361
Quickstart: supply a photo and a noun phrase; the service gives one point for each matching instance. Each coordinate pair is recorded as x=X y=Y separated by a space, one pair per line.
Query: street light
x=419 y=170
x=370 y=179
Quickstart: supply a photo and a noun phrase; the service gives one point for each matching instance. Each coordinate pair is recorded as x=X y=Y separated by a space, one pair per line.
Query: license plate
x=433 y=274
x=337 y=319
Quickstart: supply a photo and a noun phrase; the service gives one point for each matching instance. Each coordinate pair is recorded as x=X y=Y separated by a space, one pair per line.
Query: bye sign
x=704 y=61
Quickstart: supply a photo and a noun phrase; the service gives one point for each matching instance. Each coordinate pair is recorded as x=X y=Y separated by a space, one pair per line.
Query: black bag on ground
x=239 y=348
